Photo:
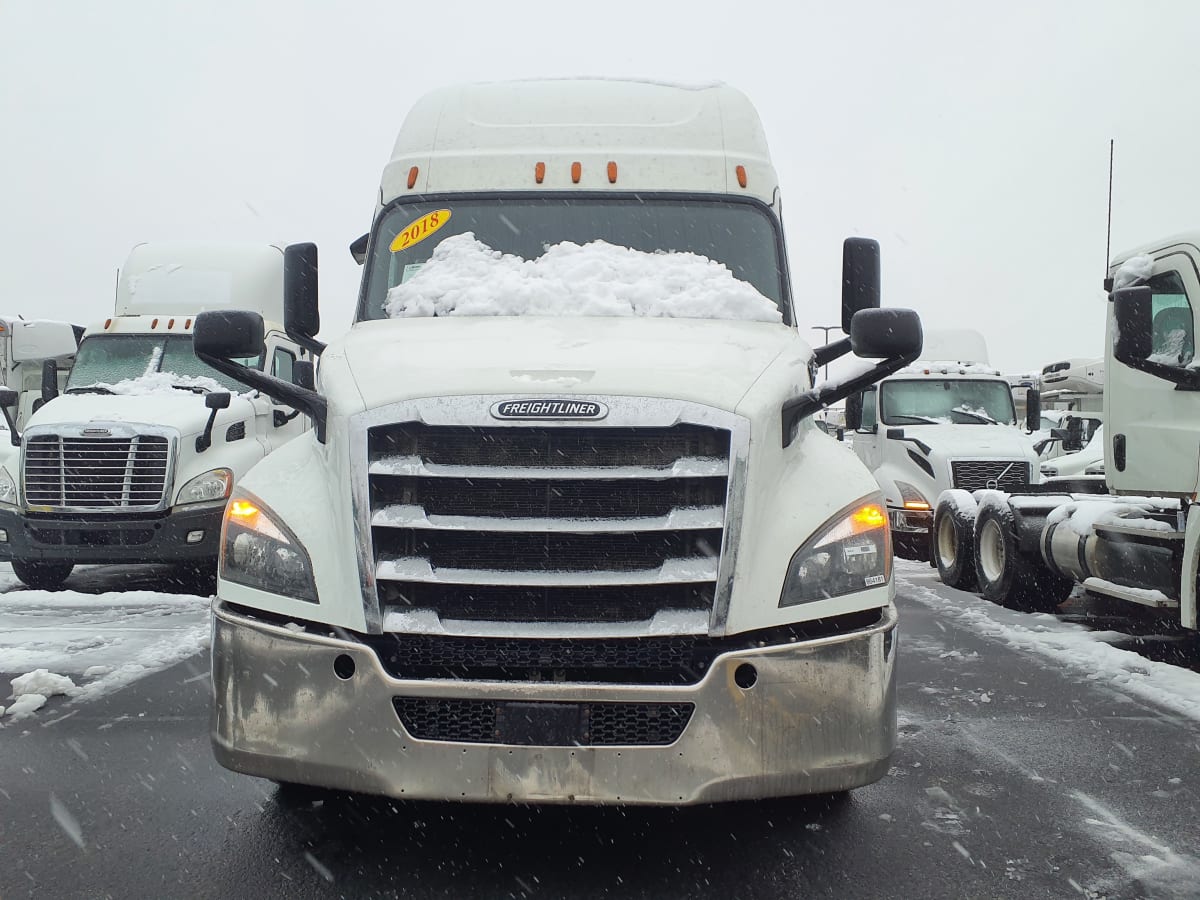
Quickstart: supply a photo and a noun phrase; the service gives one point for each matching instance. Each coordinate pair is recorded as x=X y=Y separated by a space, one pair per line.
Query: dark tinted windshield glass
x=933 y=401
x=109 y=358
x=740 y=235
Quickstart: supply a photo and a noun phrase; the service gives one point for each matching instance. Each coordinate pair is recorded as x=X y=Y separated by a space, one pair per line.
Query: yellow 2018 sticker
x=417 y=231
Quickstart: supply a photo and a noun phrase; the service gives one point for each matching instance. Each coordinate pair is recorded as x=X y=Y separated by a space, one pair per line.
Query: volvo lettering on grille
x=549 y=409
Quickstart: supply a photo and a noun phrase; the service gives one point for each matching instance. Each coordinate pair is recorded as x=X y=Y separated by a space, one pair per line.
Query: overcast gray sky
x=970 y=139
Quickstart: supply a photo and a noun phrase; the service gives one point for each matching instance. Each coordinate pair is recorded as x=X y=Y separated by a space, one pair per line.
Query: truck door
x=866 y=437
x=1152 y=430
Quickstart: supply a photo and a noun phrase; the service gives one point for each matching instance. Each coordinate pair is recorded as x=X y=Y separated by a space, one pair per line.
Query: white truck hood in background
x=184 y=410
x=977 y=441
x=709 y=361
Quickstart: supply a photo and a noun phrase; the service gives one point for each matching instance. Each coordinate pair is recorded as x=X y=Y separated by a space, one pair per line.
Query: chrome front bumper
x=821 y=717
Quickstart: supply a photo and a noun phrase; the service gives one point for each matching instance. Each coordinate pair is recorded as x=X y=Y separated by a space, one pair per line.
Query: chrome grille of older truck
x=544 y=523
x=70 y=472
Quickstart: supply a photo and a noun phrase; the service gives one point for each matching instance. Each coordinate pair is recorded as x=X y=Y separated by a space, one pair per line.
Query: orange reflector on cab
x=576 y=172
x=412 y=177
x=154 y=324
x=612 y=172
x=187 y=324
x=868 y=518
x=107 y=322
x=539 y=172
x=170 y=323
x=741 y=175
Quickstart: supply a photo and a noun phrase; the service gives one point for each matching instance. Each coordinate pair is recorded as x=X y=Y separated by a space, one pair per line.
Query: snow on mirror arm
x=144 y=364
x=577 y=256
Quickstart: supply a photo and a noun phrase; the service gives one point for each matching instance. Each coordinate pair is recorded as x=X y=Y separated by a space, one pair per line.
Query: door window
x=282 y=362
x=1173 y=339
x=869 y=420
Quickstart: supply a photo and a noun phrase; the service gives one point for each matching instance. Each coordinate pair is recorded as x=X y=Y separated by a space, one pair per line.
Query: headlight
x=851 y=552
x=911 y=498
x=206 y=488
x=259 y=551
x=1049 y=471
x=8 y=489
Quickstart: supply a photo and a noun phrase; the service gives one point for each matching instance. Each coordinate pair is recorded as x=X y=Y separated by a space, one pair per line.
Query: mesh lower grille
x=630 y=603
x=582 y=724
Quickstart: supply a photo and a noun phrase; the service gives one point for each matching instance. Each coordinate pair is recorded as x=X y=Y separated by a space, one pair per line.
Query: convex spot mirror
x=886 y=333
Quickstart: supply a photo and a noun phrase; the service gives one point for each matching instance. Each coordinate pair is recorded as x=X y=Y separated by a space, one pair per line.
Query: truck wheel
x=44 y=576
x=954 y=545
x=1006 y=574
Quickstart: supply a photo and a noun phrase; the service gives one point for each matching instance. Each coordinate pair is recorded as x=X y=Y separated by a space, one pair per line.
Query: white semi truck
x=1139 y=542
x=134 y=461
x=564 y=530
x=948 y=422
x=35 y=357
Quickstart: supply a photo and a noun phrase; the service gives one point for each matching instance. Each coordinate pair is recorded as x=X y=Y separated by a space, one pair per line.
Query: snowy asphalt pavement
x=1037 y=758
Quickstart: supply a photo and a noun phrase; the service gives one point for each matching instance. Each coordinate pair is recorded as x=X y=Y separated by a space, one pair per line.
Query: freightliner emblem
x=549 y=409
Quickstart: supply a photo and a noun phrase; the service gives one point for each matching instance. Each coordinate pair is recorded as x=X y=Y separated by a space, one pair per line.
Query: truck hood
x=979 y=441
x=714 y=362
x=184 y=411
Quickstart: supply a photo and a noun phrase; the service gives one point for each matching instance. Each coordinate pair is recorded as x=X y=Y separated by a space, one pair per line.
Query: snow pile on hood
x=1132 y=269
x=159 y=383
x=466 y=277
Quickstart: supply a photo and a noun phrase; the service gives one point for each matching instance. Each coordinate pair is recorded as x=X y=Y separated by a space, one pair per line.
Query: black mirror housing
x=860 y=278
x=301 y=315
x=854 y=411
x=8 y=397
x=358 y=249
x=49 y=380
x=304 y=374
x=1132 y=308
x=886 y=333
x=228 y=334
x=217 y=400
x=1033 y=410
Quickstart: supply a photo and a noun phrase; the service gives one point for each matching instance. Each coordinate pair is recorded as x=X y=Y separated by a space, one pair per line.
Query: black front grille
x=568 y=447
x=506 y=603
x=91 y=472
x=998 y=474
x=577 y=724
x=91 y=537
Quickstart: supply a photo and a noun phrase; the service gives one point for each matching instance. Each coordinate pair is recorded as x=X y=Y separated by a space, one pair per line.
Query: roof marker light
x=741 y=175
x=576 y=172
x=154 y=324
x=107 y=322
x=612 y=172
x=170 y=323
x=412 y=177
x=187 y=324
x=539 y=172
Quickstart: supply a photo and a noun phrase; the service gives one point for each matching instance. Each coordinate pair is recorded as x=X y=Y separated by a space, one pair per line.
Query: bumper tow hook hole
x=343 y=667
x=745 y=676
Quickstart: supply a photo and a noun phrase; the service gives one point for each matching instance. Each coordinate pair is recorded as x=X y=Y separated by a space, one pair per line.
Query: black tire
x=910 y=545
x=42 y=575
x=954 y=541
x=1006 y=574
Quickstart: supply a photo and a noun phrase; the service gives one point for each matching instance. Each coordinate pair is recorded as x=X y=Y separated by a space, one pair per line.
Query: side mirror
x=854 y=410
x=358 y=249
x=8 y=399
x=860 y=278
x=215 y=401
x=1033 y=410
x=228 y=334
x=886 y=333
x=301 y=317
x=49 y=380
x=1132 y=310
x=304 y=374
x=841 y=433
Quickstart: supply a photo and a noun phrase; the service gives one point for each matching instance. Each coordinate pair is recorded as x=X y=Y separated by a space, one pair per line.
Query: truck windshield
x=940 y=401
x=110 y=358
x=741 y=235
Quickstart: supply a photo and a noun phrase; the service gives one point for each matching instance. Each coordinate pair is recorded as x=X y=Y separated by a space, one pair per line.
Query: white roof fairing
x=490 y=136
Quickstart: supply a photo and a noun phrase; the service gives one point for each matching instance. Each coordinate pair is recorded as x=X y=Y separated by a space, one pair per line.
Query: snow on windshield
x=160 y=383
x=465 y=277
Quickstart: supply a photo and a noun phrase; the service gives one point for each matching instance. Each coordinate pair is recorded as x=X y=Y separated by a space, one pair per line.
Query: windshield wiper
x=90 y=389
x=194 y=388
x=921 y=419
x=978 y=415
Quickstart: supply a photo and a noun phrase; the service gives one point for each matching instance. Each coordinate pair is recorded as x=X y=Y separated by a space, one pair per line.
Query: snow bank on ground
x=1063 y=644
x=42 y=681
x=159 y=383
x=466 y=277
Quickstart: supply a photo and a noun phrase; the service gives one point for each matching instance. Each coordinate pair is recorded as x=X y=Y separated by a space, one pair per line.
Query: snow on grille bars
x=547 y=523
x=96 y=472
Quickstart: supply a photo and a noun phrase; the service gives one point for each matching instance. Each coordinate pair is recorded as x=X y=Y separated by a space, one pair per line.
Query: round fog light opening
x=745 y=676
x=343 y=667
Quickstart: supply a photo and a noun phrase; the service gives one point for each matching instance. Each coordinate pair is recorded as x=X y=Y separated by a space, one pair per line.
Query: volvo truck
x=134 y=461
x=1139 y=541
x=564 y=530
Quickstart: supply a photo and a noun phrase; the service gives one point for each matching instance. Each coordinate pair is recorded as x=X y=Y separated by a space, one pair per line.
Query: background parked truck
x=1140 y=542
x=564 y=530
x=134 y=461
x=35 y=357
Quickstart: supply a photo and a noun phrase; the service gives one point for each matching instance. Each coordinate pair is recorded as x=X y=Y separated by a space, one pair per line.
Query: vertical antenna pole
x=1108 y=230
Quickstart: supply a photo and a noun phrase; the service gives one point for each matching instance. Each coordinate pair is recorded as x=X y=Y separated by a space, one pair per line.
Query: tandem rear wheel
x=1009 y=575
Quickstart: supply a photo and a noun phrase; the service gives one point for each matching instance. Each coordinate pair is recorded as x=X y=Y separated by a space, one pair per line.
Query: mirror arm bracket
x=811 y=401
x=310 y=402
x=835 y=350
x=311 y=344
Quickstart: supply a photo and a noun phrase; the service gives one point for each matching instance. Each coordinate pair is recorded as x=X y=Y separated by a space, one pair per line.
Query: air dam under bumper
x=821 y=717
x=97 y=538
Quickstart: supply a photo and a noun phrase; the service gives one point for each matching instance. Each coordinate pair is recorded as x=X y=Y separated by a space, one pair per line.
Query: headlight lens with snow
x=259 y=551
x=8 y=489
x=207 y=488
x=851 y=552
